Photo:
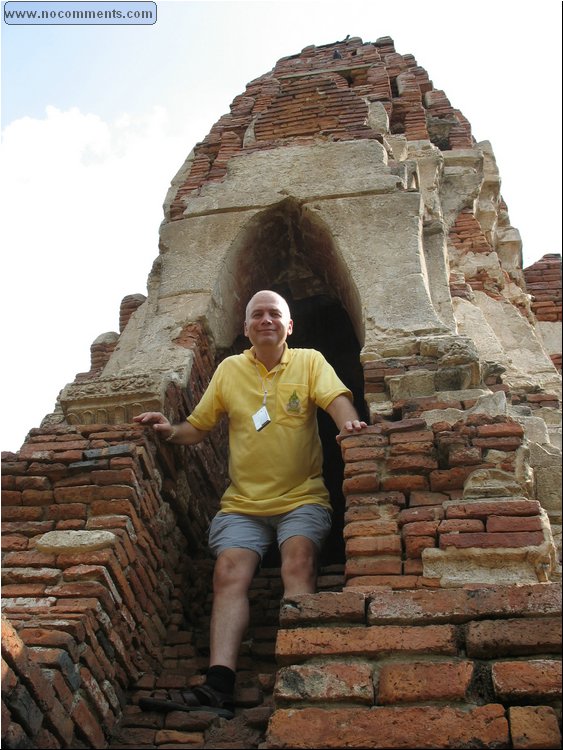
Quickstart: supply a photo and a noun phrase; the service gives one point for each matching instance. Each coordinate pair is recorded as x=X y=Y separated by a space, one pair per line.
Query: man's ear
x=245 y=329
x=290 y=328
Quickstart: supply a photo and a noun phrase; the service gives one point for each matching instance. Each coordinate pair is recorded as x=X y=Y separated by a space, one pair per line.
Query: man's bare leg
x=299 y=566
x=234 y=571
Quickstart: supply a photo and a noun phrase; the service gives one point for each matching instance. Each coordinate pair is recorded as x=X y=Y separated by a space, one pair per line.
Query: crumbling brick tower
x=345 y=181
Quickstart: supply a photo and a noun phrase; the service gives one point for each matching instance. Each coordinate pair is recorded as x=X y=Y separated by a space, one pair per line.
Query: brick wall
x=404 y=486
x=96 y=572
x=425 y=669
x=323 y=94
x=543 y=282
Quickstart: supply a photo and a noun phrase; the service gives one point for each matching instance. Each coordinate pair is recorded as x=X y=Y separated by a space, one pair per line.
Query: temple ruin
x=344 y=180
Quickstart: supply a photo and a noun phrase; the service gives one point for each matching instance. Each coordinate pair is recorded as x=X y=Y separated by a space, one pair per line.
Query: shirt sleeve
x=211 y=407
x=325 y=383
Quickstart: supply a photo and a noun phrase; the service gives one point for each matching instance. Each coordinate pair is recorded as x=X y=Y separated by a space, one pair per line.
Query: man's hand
x=182 y=433
x=350 y=427
x=160 y=424
x=345 y=417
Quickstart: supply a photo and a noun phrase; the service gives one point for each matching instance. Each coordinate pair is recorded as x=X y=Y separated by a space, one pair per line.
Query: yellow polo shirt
x=278 y=468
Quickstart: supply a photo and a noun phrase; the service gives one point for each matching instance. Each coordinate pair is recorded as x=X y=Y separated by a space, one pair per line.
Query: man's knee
x=299 y=557
x=234 y=569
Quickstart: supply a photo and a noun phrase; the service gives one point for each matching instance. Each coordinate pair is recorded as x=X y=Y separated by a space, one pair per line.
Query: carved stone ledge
x=114 y=400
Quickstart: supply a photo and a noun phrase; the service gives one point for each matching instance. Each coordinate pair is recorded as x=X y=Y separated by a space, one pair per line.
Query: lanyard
x=263 y=382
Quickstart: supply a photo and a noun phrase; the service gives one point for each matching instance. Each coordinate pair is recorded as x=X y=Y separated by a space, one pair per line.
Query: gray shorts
x=258 y=532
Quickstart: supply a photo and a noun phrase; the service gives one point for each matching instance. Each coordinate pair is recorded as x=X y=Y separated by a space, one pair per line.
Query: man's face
x=268 y=321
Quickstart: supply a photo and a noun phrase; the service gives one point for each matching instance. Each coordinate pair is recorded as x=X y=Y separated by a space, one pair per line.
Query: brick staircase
x=256 y=677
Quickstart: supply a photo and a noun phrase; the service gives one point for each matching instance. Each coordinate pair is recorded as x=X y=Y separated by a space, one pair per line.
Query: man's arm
x=183 y=433
x=345 y=416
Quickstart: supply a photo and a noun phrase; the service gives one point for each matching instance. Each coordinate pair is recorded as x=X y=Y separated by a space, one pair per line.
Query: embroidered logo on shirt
x=293 y=406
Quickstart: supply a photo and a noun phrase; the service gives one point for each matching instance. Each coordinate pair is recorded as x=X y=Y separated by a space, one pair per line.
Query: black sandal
x=208 y=696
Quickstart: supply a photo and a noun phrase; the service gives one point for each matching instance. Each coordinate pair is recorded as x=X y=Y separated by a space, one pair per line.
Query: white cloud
x=82 y=204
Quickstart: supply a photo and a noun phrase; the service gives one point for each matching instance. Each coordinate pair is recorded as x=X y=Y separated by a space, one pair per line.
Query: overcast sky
x=96 y=120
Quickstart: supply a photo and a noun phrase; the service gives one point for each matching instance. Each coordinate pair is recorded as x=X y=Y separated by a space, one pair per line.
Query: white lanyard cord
x=263 y=383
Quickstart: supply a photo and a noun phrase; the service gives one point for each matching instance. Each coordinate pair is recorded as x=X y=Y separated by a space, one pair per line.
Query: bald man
x=270 y=394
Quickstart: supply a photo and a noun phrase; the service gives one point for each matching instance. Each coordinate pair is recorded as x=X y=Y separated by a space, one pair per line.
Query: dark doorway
x=320 y=322
x=289 y=249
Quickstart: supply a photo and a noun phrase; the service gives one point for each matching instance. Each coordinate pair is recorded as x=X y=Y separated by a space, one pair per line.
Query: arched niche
x=288 y=249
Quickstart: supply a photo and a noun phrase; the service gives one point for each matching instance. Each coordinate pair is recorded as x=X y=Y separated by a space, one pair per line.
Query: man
x=270 y=394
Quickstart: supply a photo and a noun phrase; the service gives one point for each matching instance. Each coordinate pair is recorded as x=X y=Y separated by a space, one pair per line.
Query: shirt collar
x=251 y=355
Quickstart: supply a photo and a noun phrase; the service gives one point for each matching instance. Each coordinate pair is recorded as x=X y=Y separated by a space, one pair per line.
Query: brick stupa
x=345 y=181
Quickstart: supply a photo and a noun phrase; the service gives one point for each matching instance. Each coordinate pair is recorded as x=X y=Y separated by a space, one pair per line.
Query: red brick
x=414 y=425
x=500 y=429
x=424 y=681
x=133 y=737
x=117 y=507
x=390 y=500
x=59 y=685
x=413 y=567
x=97 y=699
x=498 y=443
x=514 y=523
x=358 y=546
x=534 y=727
x=420 y=436
x=23 y=590
x=427 y=498
x=9 y=679
x=323 y=607
x=37 y=497
x=486 y=508
x=361 y=483
x=411 y=462
x=461 y=526
x=92 y=493
x=364 y=454
x=462 y=605
x=333 y=682
x=366 y=566
x=413 y=515
x=49 y=638
x=14 y=542
x=420 y=528
x=27 y=528
x=167 y=738
x=373 y=435
x=449 y=479
x=367 y=584
x=114 y=476
x=527 y=680
x=67 y=511
x=382 y=727
x=415 y=545
x=19 y=513
x=85 y=589
x=400 y=449
x=405 y=483
x=11 y=497
x=493 y=638
x=461 y=456
x=352 y=469
x=378 y=527
x=305 y=643
x=486 y=540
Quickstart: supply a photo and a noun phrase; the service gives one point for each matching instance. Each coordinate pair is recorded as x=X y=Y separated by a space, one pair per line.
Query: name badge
x=261 y=419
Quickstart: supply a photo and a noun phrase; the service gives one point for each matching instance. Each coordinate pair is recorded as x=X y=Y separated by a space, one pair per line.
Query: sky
x=97 y=120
